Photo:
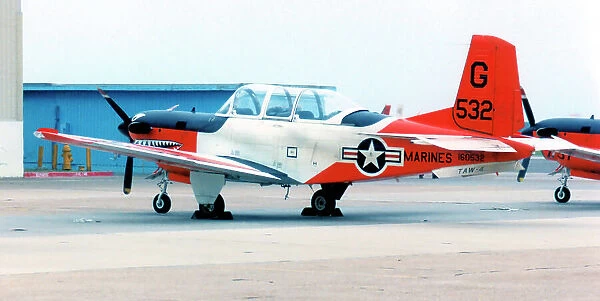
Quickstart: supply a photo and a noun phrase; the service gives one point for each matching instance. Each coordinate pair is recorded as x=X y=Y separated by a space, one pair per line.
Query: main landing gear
x=215 y=210
x=562 y=194
x=324 y=200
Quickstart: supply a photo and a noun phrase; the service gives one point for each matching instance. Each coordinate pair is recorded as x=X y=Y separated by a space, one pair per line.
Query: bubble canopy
x=288 y=103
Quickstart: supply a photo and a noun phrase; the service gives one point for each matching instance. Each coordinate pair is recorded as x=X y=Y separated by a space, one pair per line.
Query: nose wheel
x=562 y=194
x=161 y=203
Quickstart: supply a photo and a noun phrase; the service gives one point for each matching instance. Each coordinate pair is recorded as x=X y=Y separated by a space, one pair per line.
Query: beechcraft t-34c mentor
x=277 y=135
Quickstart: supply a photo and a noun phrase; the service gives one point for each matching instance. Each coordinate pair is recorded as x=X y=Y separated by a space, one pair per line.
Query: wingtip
x=41 y=131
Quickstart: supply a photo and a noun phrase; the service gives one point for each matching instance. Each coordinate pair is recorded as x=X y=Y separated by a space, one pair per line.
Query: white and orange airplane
x=279 y=135
x=575 y=146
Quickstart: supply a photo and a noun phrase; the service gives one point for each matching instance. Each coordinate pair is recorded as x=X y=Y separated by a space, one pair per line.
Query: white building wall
x=11 y=89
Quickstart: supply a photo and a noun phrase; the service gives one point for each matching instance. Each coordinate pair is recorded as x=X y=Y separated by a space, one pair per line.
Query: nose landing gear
x=162 y=201
x=562 y=194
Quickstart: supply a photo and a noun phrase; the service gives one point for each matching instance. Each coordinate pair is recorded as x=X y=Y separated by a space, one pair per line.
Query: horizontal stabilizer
x=562 y=146
x=449 y=142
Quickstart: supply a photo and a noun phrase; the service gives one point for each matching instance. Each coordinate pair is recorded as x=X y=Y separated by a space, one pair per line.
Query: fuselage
x=583 y=132
x=308 y=137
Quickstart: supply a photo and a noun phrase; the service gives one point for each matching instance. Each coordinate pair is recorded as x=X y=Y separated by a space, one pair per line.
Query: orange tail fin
x=489 y=96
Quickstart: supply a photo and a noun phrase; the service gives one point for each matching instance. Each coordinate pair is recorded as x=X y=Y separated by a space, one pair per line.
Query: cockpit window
x=280 y=103
x=248 y=102
x=309 y=106
x=288 y=103
x=321 y=104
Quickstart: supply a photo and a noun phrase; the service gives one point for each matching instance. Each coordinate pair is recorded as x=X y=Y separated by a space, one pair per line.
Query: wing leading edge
x=188 y=160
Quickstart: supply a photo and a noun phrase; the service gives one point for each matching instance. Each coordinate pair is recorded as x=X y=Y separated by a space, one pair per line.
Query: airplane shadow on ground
x=270 y=218
x=114 y=221
x=573 y=205
x=449 y=213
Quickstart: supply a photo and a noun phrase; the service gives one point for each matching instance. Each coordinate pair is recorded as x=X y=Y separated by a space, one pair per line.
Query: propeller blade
x=127 y=178
x=522 y=173
x=123 y=127
x=527 y=108
x=115 y=107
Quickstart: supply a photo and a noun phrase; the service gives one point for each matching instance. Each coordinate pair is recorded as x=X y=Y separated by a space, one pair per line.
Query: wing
x=451 y=142
x=559 y=145
x=188 y=160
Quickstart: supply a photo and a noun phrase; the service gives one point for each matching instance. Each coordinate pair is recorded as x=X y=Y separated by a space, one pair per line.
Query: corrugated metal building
x=79 y=109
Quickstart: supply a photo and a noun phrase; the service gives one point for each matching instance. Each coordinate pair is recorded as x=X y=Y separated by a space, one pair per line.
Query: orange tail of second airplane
x=489 y=96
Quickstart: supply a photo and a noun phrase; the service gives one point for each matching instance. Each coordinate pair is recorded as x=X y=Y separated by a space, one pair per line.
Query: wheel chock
x=337 y=213
x=227 y=216
x=203 y=214
x=308 y=211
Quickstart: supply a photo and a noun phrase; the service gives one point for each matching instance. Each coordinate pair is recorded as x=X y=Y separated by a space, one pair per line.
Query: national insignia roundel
x=372 y=155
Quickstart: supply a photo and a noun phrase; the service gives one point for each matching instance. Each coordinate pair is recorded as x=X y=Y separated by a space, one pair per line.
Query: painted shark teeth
x=158 y=143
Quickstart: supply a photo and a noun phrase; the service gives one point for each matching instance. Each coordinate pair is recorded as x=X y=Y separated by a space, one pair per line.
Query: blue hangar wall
x=79 y=109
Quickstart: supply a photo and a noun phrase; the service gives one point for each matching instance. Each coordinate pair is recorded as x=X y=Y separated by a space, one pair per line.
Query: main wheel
x=562 y=194
x=162 y=205
x=216 y=209
x=218 y=206
x=322 y=204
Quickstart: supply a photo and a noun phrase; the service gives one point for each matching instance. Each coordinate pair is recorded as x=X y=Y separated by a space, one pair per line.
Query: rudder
x=489 y=96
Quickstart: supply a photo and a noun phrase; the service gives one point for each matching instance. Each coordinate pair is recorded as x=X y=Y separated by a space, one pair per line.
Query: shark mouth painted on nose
x=159 y=143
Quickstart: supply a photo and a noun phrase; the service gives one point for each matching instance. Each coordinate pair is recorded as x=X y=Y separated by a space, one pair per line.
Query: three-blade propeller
x=124 y=129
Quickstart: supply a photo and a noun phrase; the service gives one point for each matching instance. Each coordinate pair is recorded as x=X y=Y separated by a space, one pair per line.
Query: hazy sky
x=377 y=52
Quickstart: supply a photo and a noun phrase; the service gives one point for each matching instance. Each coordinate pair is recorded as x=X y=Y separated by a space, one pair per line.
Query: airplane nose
x=123 y=129
x=139 y=127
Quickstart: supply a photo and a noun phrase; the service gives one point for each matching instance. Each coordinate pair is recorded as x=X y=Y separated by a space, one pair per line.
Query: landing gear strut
x=162 y=201
x=562 y=194
x=324 y=200
x=215 y=210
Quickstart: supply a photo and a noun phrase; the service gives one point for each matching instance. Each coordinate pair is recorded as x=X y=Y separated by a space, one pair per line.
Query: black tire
x=562 y=194
x=219 y=206
x=164 y=206
x=322 y=203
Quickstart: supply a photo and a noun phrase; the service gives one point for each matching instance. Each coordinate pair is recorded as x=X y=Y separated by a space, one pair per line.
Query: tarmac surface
x=478 y=238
